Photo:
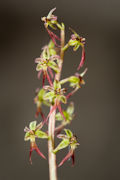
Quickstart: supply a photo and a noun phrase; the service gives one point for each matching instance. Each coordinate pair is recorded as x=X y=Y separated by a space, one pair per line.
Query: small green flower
x=55 y=96
x=51 y=21
x=68 y=114
x=31 y=134
x=56 y=93
x=68 y=140
x=75 y=82
x=39 y=101
x=52 y=49
x=46 y=63
x=76 y=41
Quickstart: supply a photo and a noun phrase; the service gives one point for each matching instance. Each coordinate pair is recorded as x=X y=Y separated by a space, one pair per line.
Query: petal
x=51 y=73
x=73 y=159
x=39 y=74
x=68 y=133
x=54 y=57
x=62 y=136
x=59 y=129
x=39 y=111
x=56 y=37
x=39 y=152
x=60 y=110
x=50 y=13
x=30 y=153
x=49 y=80
x=53 y=37
x=82 y=58
x=43 y=82
x=43 y=116
x=72 y=92
x=77 y=36
x=38 y=60
x=33 y=147
x=63 y=144
x=70 y=153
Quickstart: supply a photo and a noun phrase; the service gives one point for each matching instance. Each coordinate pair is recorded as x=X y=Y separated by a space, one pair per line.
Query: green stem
x=51 y=124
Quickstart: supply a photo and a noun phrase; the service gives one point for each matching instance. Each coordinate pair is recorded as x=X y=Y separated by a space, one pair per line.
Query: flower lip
x=50 y=16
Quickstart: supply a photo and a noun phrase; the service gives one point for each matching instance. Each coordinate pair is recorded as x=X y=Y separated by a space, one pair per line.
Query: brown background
x=96 y=124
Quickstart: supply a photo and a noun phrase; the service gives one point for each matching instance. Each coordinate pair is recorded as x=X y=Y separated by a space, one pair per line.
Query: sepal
x=32 y=125
x=62 y=145
x=41 y=134
x=68 y=114
x=68 y=133
x=31 y=134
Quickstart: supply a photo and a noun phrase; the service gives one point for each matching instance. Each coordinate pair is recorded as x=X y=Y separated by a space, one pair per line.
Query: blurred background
x=96 y=124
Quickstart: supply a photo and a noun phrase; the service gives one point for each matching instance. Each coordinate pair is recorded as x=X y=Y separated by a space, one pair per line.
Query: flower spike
x=55 y=95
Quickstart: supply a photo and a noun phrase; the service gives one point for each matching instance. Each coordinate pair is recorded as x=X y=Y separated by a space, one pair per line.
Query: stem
x=51 y=155
x=51 y=124
x=60 y=127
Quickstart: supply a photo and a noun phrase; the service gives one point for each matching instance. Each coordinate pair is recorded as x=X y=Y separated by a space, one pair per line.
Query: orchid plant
x=54 y=95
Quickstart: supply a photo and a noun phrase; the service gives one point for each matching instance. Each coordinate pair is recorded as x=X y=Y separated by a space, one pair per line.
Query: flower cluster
x=54 y=95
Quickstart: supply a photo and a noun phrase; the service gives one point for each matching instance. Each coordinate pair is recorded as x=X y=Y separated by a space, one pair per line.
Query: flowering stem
x=51 y=124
